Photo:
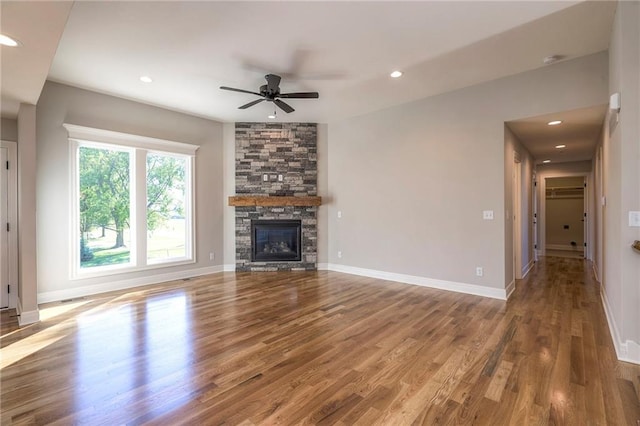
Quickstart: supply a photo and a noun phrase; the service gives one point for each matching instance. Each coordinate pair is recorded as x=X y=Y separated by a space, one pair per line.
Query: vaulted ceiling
x=344 y=50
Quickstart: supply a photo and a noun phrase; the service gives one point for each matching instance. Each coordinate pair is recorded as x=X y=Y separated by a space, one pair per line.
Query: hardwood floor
x=321 y=348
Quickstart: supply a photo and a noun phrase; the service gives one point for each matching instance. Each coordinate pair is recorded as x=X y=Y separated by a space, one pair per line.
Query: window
x=166 y=207
x=132 y=202
x=104 y=202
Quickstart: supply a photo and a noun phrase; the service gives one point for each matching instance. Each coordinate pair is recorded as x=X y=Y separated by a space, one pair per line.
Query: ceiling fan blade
x=283 y=106
x=273 y=82
x=300 y=95
x=239 y=90
x=250 y=104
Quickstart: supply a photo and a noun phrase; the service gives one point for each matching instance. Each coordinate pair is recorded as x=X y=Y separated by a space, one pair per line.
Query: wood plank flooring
x=321 y=348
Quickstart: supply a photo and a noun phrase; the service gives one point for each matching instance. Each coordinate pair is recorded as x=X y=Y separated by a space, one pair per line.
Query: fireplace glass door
x=276 y=240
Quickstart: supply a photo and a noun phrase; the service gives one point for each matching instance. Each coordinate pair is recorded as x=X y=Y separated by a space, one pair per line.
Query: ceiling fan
x=271 y=92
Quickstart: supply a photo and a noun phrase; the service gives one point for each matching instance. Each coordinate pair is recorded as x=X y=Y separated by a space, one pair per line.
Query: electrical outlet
x=265 y=177
x=339 y=255
x=339 y=214
x=479 y=271
x=280 y=178
x=212 y=256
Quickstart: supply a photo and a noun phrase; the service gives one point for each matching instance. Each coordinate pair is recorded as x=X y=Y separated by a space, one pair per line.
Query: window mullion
x=139 y=206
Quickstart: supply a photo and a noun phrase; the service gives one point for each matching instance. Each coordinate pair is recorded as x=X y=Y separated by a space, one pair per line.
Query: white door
x=4 y=219
x=8 y=225
x=534 y=201
x=585 y=220
x=517 y=219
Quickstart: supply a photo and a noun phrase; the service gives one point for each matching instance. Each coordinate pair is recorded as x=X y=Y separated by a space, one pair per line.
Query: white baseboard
x=53 y=296
x=229 y=267
x=528 y=268
x=567 y=247
x=477 y=290
x=595 y=272
x=323 y=266
x=510 y=289
x=628 y=351
x=26 y=317
x=633 y=352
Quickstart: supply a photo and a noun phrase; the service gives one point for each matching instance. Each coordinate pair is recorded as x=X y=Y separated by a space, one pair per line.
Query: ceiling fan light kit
x=270 y=92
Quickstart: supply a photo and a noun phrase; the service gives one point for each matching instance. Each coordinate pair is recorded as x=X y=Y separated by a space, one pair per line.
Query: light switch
x=487 y=215
x=634 y=219
x=339 y=214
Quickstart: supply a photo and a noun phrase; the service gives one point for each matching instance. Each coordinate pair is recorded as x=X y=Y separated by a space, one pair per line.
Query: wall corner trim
x=473 y=289
x=527 y=269
x=29 y=317
x=26 y=317
x=511 y=287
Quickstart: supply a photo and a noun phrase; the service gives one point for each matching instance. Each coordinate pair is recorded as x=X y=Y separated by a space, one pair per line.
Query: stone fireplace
x=276 y=163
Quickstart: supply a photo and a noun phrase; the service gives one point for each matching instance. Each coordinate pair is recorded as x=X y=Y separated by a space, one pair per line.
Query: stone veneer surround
x=287 y=149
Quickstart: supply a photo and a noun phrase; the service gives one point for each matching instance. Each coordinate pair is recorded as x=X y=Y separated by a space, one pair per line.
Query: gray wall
x=621 y=174
x=60 y=104
x=9 y=130
x=229 y=165
x=564 y=222
x=412 y=181
x=323 y=191
x=27 y=208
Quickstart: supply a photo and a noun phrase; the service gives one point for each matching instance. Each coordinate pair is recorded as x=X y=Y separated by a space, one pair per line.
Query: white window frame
x=138 y=147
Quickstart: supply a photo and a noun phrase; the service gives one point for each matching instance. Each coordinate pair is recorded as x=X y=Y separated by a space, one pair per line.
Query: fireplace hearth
x=276 y=240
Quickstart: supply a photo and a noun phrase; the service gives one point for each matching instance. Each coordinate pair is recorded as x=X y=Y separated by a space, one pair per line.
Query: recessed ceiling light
x=146 y=79
x=7 y=41
x=551 y=59
x=554 y=122
x=546 y=161
x=272 y=116
x=561 y=146
x=396 y=74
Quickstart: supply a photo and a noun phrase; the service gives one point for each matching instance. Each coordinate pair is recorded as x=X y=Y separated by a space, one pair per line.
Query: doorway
x=8 y=225
x=565 y=217
x=517 y=217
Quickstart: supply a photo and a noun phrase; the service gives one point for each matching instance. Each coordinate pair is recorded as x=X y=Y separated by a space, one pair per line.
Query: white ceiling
x=579 y=131
x=344 y=50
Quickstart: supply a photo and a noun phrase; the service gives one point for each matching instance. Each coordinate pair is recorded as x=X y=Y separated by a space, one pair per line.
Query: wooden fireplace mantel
x=273 y=201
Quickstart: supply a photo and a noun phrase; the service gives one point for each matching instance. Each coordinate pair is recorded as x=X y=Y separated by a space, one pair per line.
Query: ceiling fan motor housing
x=270 y=95
x=270 y=92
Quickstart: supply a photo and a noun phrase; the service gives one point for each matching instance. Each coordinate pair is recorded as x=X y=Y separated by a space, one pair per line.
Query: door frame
x=517 y=216
x=12 y=215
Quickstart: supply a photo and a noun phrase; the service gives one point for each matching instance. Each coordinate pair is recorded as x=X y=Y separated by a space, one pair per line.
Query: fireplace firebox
x=276 y=240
